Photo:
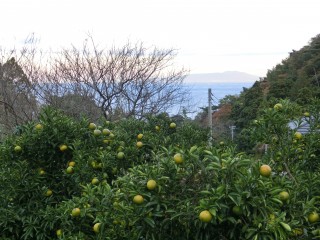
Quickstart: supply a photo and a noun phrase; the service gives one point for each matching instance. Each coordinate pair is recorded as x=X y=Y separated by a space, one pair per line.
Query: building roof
x=302 y=125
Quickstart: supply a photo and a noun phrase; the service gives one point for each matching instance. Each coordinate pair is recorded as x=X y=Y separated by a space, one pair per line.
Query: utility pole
x=315 y=74
x=232 y=131
x=210 y=116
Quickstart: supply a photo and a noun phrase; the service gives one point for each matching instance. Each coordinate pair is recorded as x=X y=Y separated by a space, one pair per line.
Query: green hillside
x=296 y=77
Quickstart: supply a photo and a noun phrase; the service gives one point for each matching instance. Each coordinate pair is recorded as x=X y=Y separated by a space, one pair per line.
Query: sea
x=199 y=94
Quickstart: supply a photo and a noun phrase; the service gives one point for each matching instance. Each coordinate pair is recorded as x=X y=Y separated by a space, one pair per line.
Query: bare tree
x=133 y=78
x=128 y=81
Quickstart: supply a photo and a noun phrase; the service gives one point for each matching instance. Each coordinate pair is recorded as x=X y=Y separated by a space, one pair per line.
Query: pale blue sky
x=211 y=35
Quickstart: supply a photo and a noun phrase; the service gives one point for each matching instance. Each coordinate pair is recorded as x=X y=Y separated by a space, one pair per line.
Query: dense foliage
x=156 y=179
x=296 y=77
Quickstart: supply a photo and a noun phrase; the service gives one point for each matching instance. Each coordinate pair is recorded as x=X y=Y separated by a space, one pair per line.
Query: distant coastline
x=199 y=94
x=199 y=91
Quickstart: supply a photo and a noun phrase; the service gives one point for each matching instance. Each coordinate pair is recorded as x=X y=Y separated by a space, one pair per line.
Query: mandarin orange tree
x=63 y=178
x=47 y=162
x=292 y=154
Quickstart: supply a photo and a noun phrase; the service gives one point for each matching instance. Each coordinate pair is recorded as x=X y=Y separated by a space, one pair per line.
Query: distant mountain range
x=227 y=77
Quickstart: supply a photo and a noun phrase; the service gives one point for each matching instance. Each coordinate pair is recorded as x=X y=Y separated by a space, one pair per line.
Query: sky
x=210 y=36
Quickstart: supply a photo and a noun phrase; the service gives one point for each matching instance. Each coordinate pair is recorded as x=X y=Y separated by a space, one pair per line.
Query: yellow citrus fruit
x=306 y=114
x=39 y=126
x=139 y=144
x=284 y=196
x=17 y=149
x=172 y=125
x=69 y=170
x=71 y=164
x=313 y=217
x=92 y=126
x=95 y=181
x=120 y=155
x=138 y=199
x=278 y=106
x=106 y=131
x=96 y=132
x=75 y=212
x=48 y=192
x=151 y=184
x=140 y=136
x=96 y=227
x=297 y=135
x=63 y=147
x=42 y=172
x=59 y=233
x=205 y=216
x=94 y=164
x=178 y=158
x=157 y=128
x=265 y=170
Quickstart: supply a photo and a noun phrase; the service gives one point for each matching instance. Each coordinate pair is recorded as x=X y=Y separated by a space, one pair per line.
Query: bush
x=69 y=179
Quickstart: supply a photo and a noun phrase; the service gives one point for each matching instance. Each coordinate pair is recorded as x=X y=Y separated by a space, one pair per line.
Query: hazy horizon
x=221 y=77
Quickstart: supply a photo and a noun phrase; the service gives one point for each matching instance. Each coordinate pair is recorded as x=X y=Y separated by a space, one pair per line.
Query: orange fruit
x=278 y=106
x=69 y=170
x=63 y=147
x=138 y=199
x=139 y=144
x=151 y=184
x=75 y=212
x=205 y=216
x=48 y=192
x=284 y=196
x=120 y=155
x=105 y=131
x=96 y=227
x=38 y=127
x=71 y=164
x=265 y=170
x=59 y=233
x=298 y=135
x=17 y=149
x=178 y=158
x=95 y=181
x=96 y=132
x=313 y=217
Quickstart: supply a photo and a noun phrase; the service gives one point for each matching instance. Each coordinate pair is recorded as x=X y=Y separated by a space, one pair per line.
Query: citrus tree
x=156 y=179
